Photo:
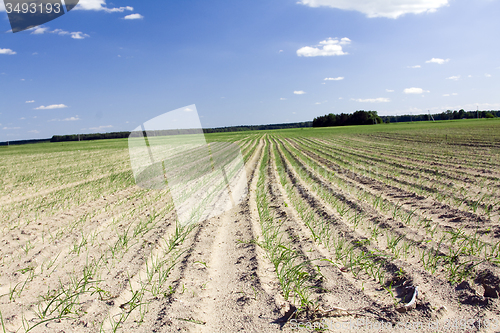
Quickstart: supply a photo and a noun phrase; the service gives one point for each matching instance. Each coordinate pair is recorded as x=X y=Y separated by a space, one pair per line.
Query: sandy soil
x=118 y=261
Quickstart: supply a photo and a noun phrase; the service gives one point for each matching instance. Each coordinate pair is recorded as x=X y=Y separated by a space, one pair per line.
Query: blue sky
x=110 y=66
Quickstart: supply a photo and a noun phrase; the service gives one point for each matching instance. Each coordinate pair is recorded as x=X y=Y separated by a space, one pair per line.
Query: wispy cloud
x=30 y=101
x=438 y=61
x=416 y=66
x=372 y=100
x=11 y=128
x=381 y=8
x=34 y=131
x=334 y=78
x=448 y=95
x=299 y=92
x=328 y=47
x=100 y=128
x=282 y=99
x=7 y=51
x=454 y=78
x=75 y=118
x=52 y=107
x=487 y=75
x=60 y=32
x=134 y=17
x=389 y=90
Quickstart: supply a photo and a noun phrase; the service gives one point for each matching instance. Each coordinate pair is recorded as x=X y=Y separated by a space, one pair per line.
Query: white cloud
x=40 y=30
x=414 y=91
x=389 y=90
x=75 y=118
x=299 y=92
x=282 y=99
x=7 y=51
x=11 y=128
x=22 y=118
x=325 y=48
x=100 y=127
x=74 y=35
x=317 y=103
x=437 y=61
x=448 y=95
x=454 y=78
x=30 y=101
x=100 y=5
x=134 y=17
x=487 y=75
x=416 y=66
x=372 y=100
x=51 y=107
x=78 y=35
x=188 y=110
x=34 y=131
x=381 y=8
x=334 y=78
x=71 y=119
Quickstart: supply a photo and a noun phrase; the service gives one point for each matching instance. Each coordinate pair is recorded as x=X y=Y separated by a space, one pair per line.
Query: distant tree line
x=446 y=115
x=86 y=137
x=357 y=118
x=258 y=127
x=121 y=135
x=22 y=142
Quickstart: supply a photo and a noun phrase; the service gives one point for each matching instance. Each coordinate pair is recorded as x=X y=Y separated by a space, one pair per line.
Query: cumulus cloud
x=414 y=91
x=7 y=51
x=99 y=5
x=78 y=35
x=134 y=17
x=299 y=92
x=74 y=35
x=325 y=48
x=51 y=107
x=334 y=78
x=372 y=100
x=100 y=127
x=381 y=8
x=437 y=61
x=454 y=78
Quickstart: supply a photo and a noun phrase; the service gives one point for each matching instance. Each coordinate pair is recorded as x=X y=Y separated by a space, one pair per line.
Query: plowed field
x=374 y=229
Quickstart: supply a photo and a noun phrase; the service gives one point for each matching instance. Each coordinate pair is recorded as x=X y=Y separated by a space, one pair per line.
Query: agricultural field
x=382 y=225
